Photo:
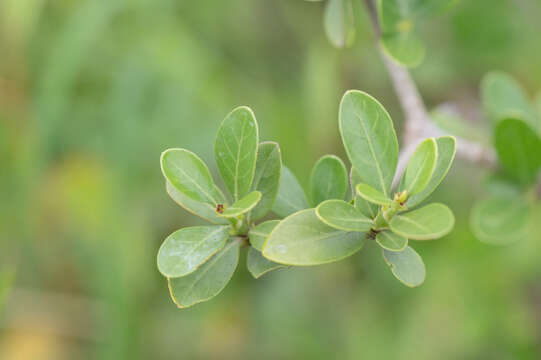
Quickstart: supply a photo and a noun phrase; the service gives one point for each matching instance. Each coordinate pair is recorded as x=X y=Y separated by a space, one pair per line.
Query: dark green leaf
x=291 y=197
x=406 y=265
x=257 y=265
x=267 y=177
x=329 y=179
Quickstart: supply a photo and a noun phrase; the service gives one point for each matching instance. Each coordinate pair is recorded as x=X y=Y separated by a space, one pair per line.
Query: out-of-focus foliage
x=91 y=92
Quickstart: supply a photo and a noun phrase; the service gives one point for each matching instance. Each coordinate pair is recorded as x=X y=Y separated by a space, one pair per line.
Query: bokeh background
x=91 y=92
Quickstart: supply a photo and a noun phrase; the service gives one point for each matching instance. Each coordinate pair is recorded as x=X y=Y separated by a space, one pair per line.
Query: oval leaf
x=302 y=239
x=338 y=23
x=369 y=138
x=420 y=168
x=429 y=222
x=367 y=208
x=291 y=197
x=343 y=216
x=235 y=150
x=406 y=265
x=391 y=241
x=368 y=193
x=259 y=233
x=208 y=280
x=329 y=179
x=242 y=206
x=184 y=250
x=258 y=266
x=267 y=177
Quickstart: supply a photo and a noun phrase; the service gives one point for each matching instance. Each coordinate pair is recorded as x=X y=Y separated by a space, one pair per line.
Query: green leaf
x=406 y=265
x=291 y=197
x=208 y=280
x=367 y=208
x=202 y=209
x=446 y=155
x=420 y=168
x=391 y=241
x=258 y=266
x=519 y=150
x=341 y=215
x=259 y=233
x=302 y=239
x=235 y=150
x=329 y=179
x=447 y=118
x=368 y=193
x=242 y=206
x=429 y=222
x=369 y=138
x=339 y=23
x=267 y=177
x=189 y=175
x=185 y=250
x=500 y=220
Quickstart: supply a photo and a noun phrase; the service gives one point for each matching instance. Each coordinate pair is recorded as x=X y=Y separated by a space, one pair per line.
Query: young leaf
x=500 y=220
x=235 y=150
x=338 y=23
x=302 y=239
x=341 y=215
x=369 y=138
x=208 y=280
x=406 y=265
x=420 y=168
x=429 y=222
x=267 y=177
x=329 y=179
x=446 y=155
x=519 y=150
x=391 y=241
x=367 y=208
x=259 y=233
x=242 y=206
x=291 y=197
x=368 y=193
x=189 y=175
x=184 y=250
x=257 y=265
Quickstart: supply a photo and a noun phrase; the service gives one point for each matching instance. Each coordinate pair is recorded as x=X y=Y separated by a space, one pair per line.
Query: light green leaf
x=368 y=193
x=185 y=250
x=369 y=138
x=406 y=265
x=242 y=206
x=519 y=150
x=208 y=280
x=267 y=177
x=259 y=233
x=367 y=208
x=446 y=155
x=329 y=179
x=302 y=239
x=429 y=222
x=447 y=118
x=235 y=150
x=500 y=220
x=341 y=215
x=291 y=197
x=258 y=266
x=420 y=168
x=391 y=241
x=339 y=23
x=189 y=175
x=202 y=209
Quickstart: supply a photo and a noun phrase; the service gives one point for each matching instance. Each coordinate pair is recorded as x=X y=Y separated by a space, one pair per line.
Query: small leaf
x=341 y=215
x=406 y=265
x=291 y=197
x=500 y=220
x=368 y=193
x=420 y=168
x=429 y=222
x=242 y=206
x=367 y=208
x=369 y=138
x=235 y=150
x=208 y=280
x=446 y=155
x=189 y=175
x=302 y=239
x=258 y=266
x=184 y=250
x=329 y=179
x=339 y=23
x=391 y=241
x=267 y=177
x=258 y=235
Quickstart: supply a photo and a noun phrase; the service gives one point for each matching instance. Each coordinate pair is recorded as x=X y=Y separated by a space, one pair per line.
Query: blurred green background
x=91 y=92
